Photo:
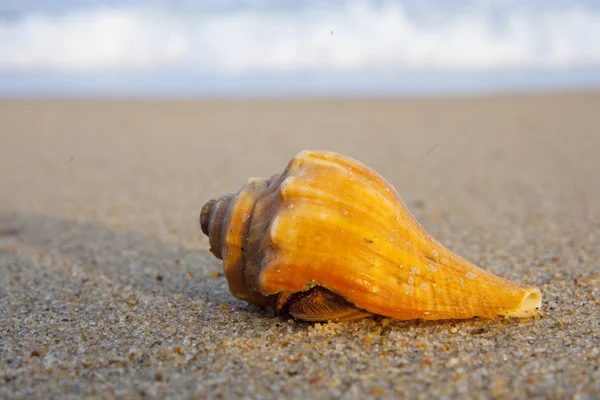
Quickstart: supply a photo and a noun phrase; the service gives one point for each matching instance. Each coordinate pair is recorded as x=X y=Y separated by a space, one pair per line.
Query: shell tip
x=205 y=215
x=530 y=305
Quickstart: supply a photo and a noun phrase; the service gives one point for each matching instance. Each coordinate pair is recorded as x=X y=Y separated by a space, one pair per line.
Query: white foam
x=93 y=41
x=340 y=36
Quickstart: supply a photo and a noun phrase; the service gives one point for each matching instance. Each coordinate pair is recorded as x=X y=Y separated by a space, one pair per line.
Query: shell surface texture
x=330 y=240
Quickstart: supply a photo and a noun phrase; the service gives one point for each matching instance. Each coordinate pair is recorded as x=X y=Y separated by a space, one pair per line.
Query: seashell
x=330 y=239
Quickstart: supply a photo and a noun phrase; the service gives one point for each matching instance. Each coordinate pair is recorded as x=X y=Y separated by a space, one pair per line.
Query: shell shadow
x=126 y=257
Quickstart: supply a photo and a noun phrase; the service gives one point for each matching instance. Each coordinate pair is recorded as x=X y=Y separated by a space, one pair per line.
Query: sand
x=107 y=288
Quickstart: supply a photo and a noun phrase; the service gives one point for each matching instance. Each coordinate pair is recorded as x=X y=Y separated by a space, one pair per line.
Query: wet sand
x=107 y=288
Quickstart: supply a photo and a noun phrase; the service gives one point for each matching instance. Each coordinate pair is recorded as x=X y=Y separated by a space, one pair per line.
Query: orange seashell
x=330 y=239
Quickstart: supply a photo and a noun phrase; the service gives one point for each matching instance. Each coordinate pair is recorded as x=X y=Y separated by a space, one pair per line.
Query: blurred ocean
x=279 y=48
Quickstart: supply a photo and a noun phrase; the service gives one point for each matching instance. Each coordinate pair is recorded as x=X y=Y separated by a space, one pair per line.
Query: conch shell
x=330 y=239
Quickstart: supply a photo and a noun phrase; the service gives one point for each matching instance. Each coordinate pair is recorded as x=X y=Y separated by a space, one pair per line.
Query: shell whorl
x=228 y=222
x=212 y=219
x=205 y=215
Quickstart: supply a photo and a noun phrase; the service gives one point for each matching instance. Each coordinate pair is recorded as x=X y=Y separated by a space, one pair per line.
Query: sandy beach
x=107 y=288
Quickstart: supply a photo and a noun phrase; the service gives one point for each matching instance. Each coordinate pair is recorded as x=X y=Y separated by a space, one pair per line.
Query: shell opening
x=530 y=306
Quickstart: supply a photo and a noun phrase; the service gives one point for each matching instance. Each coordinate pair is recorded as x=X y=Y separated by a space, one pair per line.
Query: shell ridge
x=238 y=219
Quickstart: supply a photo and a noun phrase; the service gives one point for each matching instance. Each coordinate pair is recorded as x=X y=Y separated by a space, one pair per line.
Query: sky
x=278 y=48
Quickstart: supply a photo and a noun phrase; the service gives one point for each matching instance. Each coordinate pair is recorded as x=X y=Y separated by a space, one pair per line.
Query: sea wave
x=349 y=36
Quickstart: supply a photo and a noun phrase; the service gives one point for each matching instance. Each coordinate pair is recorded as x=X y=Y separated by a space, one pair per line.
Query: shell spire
x=329 y=238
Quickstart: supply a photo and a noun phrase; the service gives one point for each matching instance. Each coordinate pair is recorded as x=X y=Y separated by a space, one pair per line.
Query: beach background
x=118 y=121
